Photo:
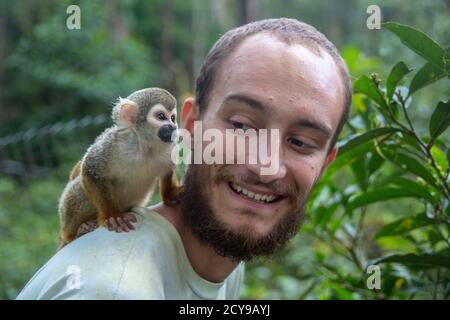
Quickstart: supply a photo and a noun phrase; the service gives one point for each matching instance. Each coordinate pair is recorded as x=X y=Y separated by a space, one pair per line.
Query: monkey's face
x=163 y=123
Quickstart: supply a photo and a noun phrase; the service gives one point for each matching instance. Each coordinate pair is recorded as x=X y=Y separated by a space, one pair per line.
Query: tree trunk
x=247 y=11
x=116 y=21
x=166 y=54
x=2 y=53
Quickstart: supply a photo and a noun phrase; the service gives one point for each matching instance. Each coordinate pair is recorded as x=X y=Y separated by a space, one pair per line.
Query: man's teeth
x=254 y=196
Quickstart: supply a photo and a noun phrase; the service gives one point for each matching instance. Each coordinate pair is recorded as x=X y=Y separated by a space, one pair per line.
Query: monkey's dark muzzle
x=165 y=132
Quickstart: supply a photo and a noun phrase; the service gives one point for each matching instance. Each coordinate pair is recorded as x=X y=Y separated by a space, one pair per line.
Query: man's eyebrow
x=255 y=104
x=311 y=124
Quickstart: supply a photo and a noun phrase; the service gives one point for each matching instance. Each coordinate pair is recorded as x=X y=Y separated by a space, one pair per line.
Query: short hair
x=285 y=29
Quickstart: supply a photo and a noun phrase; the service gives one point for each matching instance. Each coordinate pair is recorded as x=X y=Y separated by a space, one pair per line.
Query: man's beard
x=236 y=244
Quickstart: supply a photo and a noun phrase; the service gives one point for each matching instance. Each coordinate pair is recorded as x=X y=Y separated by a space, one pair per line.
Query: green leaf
x=334 y=225
x=384 y=180
x=447 y=58
x=419 y=42
x=324 y=214
x=426 y=75
x=448 y=156
x=434 y=237
x=440 y=119
x=411 y=141
x=359 y=168
x=362 y=138
x=440 y=158
x=404 y=225
x=415 y=188
x=366 y=86
x=359 y=102
x=395 y=108
x=426 y=260
x=375 y=162
x=349 y=157
x=342 y=293
x=397 y=73
x=377 y=195
x=411 y=164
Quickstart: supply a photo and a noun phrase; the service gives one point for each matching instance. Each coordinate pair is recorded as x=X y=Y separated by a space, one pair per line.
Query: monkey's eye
x=172 y=118
x=161 y=116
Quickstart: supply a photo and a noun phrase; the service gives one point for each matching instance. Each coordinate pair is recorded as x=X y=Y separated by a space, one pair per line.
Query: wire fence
x=37 y=152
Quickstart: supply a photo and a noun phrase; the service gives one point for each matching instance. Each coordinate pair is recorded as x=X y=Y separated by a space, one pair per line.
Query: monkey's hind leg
x=101 y=194
x=169 y=188
x=87 y=227
x=74 y=210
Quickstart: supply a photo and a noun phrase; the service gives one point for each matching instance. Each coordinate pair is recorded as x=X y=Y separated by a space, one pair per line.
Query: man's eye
x=300 y=144
x=161 y=116
x=239 y=125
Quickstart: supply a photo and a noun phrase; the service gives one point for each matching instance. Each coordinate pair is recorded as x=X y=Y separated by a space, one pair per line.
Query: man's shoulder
x=152 y=232
x=105 y=264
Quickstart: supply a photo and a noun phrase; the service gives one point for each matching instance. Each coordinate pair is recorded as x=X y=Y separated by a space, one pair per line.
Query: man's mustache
x=289 y=190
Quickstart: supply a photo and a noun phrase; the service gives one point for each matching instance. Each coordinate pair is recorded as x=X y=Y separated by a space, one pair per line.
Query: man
x=277 y=74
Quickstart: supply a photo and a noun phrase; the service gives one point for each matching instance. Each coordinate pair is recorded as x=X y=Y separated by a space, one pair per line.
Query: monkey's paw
x=87 y=227
x=121 y=224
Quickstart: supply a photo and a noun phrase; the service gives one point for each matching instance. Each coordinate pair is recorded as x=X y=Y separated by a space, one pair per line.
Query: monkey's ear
x=125 y=113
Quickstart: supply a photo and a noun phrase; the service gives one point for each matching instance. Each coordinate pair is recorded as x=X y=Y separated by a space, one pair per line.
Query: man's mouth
x=264 y=198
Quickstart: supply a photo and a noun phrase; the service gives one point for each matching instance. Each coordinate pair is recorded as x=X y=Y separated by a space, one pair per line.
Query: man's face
x=266 y=84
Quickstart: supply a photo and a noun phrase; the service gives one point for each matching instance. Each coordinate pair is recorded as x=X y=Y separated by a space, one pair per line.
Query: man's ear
x=331 y=156
x=189 y=114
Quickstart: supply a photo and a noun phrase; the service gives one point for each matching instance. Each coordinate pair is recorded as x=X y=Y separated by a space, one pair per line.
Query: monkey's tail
x=62 y=244
x=169 y=187
x=76 y=170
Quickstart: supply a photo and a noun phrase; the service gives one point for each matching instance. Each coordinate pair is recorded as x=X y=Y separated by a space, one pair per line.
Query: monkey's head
x=151 y=113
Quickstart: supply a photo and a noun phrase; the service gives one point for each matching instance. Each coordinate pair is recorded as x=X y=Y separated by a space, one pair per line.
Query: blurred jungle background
x=383 y=203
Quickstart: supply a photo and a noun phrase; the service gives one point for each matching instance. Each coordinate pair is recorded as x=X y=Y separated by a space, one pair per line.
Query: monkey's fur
x=120 y=170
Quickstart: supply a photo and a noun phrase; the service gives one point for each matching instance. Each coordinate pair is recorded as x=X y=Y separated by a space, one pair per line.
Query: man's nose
x=274 y=170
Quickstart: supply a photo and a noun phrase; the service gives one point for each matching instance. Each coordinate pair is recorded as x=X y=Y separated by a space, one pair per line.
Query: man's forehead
x=268 y=68
x=262 y=54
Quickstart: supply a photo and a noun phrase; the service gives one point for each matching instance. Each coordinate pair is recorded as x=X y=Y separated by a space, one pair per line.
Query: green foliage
x=28 y=231
x=440 y=120
x=390 y=139
x=71 y=72
x=418 y=42
x=395 y=76
x=424 y=260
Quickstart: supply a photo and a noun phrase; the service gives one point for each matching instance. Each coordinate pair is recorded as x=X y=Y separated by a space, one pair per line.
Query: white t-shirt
x=146 y=263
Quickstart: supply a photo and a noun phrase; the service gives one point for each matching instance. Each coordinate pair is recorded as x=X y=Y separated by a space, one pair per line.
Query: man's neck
x=204 y=260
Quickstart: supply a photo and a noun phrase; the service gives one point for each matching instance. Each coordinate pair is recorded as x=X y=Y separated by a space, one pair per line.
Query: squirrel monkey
x=120 y=170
